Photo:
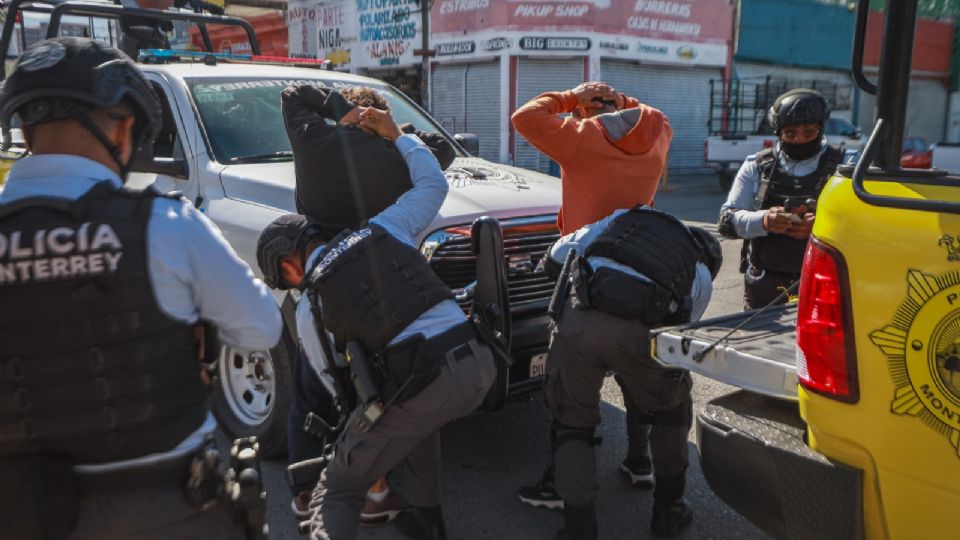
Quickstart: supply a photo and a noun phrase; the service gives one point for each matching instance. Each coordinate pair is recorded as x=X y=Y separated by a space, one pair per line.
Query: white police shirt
x=700 y=291
x=194 y=272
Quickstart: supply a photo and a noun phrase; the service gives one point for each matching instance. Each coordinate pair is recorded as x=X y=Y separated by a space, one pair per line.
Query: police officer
x=104 y=405
x=633 y=270
x=388 y=311
x=772 y=201
x=322 y=390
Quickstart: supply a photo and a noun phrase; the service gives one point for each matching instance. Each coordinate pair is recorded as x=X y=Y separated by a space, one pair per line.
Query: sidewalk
x=692 y=197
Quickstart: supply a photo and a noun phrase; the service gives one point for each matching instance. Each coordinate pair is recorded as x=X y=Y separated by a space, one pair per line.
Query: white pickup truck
x=223 y=145
x=726 y=153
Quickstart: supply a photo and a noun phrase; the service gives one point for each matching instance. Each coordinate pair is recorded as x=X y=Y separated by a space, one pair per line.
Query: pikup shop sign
x=693 y=32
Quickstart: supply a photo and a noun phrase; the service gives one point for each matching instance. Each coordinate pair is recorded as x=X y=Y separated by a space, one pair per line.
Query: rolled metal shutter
x=927 y=109
x=682 y=93
x=466 y=99
x=534 y=77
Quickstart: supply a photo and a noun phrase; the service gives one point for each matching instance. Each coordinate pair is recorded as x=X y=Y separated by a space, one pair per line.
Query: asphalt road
x=488 y=456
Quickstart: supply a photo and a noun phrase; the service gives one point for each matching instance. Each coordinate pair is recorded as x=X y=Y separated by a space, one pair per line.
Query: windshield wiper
x=283 y=154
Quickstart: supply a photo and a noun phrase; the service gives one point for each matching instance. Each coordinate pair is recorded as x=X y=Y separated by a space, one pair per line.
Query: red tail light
x=768 y=143
x=826 y=361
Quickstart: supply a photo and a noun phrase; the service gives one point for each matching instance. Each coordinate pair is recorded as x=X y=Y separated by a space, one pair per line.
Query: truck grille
x=523 y=246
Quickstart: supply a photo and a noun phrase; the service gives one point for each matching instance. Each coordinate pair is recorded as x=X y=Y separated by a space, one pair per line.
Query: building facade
x=492 y=56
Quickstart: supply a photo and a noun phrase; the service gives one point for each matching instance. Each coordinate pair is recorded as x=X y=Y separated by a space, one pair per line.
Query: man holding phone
x=772 y=202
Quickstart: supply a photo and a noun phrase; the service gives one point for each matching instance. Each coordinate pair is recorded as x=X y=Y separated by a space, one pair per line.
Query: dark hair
x=364 y=96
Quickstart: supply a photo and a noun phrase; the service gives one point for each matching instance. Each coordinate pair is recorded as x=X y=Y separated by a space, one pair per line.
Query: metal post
x=894 y=81
x=425 y=44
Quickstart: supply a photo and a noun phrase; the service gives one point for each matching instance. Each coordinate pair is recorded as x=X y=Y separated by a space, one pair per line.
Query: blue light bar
x=160 y=54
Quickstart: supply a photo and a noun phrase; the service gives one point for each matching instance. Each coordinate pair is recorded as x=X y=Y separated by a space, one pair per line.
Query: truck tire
x=726 y=179
x=253 y=392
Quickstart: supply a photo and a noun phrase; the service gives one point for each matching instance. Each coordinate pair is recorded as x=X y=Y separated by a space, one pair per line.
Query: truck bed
x=760 y=357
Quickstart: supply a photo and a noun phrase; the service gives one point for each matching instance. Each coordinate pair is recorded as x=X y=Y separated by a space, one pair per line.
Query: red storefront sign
x=701 y=21
x=932 y=44
x=271 y=29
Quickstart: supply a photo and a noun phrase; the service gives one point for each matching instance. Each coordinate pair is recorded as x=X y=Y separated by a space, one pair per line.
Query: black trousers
x=309 y=395
x=762 y=287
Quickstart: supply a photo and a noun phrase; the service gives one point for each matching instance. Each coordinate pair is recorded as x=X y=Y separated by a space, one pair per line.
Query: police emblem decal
x=922 y=346
x=42 y=56
x=953 y=246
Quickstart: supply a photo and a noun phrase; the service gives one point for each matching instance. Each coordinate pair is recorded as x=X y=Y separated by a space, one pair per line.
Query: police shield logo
x=922 y=346
x=42 y=56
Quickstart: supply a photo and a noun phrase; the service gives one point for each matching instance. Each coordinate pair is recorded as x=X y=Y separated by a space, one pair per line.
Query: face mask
x=802 y=151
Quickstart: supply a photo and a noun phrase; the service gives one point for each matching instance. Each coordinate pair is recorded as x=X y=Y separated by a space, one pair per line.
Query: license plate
x=538 y=365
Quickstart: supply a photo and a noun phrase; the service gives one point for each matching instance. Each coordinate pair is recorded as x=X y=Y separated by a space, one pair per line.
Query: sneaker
x=543 y=494
x=639 y=472
x=671 y=519
x=379 y=510
x=301 y=505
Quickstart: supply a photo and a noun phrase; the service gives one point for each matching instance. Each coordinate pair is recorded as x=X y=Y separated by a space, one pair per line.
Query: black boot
x=579 y=522
x=671 y=513
x=422 y=523
x=670 y=519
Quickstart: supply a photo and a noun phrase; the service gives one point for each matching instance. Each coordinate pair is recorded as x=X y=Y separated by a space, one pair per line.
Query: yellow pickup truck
x=869 y=357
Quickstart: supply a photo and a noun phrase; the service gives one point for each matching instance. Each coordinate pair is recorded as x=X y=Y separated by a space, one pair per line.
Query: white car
x=223 y=144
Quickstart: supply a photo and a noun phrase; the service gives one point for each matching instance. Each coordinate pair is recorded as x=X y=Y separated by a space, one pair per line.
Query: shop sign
x=530 y=43
x=497 y=44
x=457 y=47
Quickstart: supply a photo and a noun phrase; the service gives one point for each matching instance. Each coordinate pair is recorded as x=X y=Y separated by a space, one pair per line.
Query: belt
x=169 y=473
x=455 y=340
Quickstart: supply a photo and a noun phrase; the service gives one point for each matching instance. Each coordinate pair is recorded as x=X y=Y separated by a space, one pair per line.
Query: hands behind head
x=587 y=92
x=379 y=122
x=778 y=220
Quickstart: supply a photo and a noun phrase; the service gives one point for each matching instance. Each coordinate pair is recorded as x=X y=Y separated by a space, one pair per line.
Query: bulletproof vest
x=779 y=252
x=372 y=286
x=90 y=367
x=656 y=245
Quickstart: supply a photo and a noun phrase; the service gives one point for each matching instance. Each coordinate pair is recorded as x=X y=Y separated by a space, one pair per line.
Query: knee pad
x=563 y=434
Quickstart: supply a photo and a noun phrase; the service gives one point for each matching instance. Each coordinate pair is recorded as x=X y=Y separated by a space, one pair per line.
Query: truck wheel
x=726 y=179
x=253 y=392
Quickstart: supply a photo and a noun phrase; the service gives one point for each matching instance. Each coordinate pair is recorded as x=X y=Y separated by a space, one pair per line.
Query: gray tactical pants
x=585 y=345
x=404 y=440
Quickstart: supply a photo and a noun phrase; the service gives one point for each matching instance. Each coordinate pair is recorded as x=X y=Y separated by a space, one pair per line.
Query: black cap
x=65 y=77
x=800 y=106
x=285 y=235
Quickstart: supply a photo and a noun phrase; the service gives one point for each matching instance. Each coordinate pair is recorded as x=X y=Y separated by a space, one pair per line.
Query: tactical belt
x=454 y=340
x=170 y=473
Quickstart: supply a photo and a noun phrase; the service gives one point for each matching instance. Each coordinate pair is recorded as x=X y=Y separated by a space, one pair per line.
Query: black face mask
x=802 y=151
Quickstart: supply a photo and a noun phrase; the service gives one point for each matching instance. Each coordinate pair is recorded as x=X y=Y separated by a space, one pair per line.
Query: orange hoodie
x=606 y=162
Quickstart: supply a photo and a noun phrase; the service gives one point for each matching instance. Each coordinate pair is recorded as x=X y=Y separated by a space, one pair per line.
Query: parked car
x=917 y=154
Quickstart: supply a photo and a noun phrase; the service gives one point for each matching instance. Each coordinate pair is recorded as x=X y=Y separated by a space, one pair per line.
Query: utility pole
x=425 y=43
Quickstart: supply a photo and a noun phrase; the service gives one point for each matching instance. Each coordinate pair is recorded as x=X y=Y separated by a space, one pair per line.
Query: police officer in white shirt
x=101 y=288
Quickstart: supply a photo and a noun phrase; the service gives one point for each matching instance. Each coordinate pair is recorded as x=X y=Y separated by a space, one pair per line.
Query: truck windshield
x=242 y=121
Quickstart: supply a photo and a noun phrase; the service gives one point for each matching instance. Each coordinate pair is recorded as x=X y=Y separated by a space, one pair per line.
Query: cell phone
x=792 y=204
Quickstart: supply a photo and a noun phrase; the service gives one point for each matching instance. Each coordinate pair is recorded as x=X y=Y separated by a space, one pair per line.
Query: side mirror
x=469 y=142
x=145 y=162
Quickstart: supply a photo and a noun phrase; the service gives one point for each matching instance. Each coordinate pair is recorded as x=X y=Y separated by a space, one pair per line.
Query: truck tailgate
x=760 y=357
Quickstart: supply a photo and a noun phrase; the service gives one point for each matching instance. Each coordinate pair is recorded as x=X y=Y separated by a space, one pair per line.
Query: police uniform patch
x=42 y=56
x=922 y=346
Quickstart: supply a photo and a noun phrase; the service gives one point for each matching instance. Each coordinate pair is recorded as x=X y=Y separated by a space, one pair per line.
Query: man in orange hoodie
x=611 y=150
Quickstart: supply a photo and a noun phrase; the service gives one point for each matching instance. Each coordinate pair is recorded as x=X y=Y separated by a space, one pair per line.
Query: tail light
x=768 y=143
x=826 y=357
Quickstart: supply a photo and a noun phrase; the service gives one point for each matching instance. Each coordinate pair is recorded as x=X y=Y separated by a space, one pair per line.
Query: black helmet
x=285 y=235
x=65 y=77
x=800 y=106
x=712 y=252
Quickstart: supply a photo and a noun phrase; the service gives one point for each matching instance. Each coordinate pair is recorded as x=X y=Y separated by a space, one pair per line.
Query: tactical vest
x=656 y=245
x=372 y=286
x=90 y=367
x=779 y=252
